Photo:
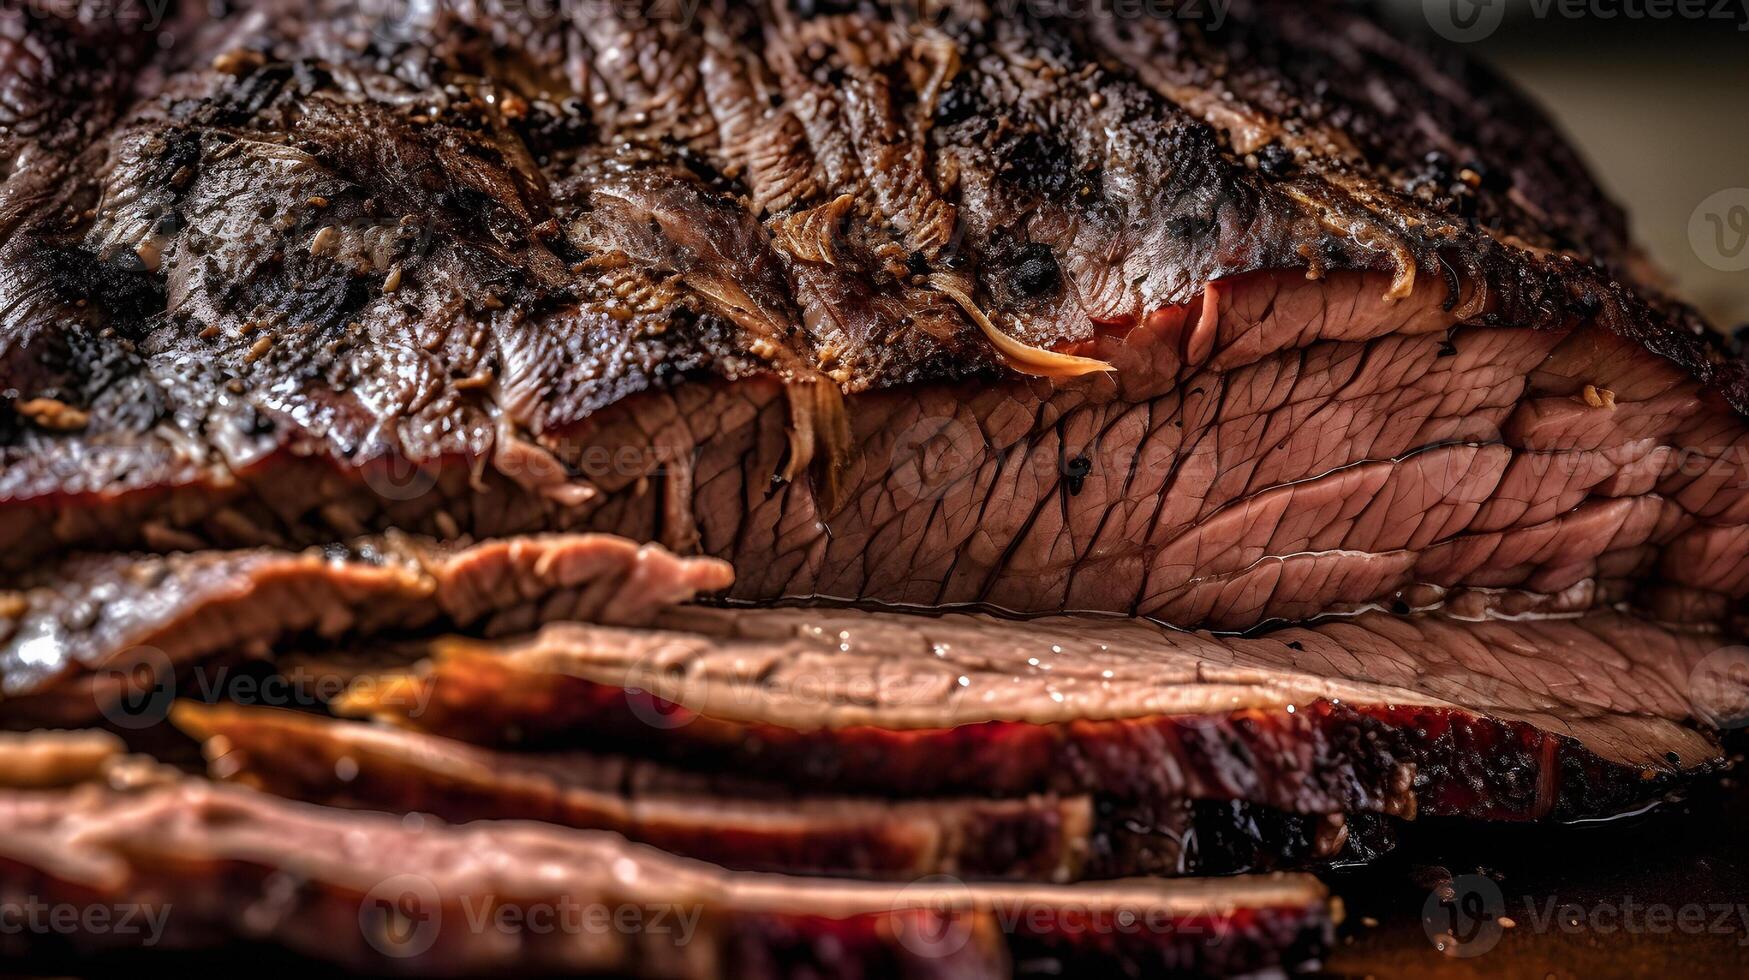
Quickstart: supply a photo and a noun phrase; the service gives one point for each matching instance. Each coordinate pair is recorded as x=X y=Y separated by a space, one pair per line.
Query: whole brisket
x=1118 y=442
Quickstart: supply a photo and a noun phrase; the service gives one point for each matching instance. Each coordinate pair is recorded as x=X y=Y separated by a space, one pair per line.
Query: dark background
x=1686 y=853
x=1659 y=106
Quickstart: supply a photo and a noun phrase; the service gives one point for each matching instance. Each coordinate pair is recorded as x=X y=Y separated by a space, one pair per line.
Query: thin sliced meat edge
x=55 y=759
x=378 y=892
x=750 y=825
x=1499 y=719
x=75 y=638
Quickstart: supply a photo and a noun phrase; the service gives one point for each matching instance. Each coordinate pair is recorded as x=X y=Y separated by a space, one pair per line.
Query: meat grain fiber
x=767 y=281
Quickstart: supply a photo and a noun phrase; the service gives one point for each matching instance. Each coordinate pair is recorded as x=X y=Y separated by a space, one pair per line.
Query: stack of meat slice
x=855 y=489
x=196 y=863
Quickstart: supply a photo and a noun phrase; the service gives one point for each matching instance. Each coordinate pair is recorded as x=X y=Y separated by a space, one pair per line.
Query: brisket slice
x=72 y=636
x=51 y=760
x=749 y=824
x=617 y=273
x=378 y=893
x=1502 y=719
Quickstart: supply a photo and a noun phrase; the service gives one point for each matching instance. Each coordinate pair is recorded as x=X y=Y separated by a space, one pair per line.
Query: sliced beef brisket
x=378 y=893
x=73 y=636
x=1505 y=719
x=749 y=824
x=1597 y=703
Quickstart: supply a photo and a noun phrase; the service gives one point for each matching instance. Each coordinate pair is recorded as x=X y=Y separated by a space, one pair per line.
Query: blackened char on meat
x=727 y=281
x=211 y=855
